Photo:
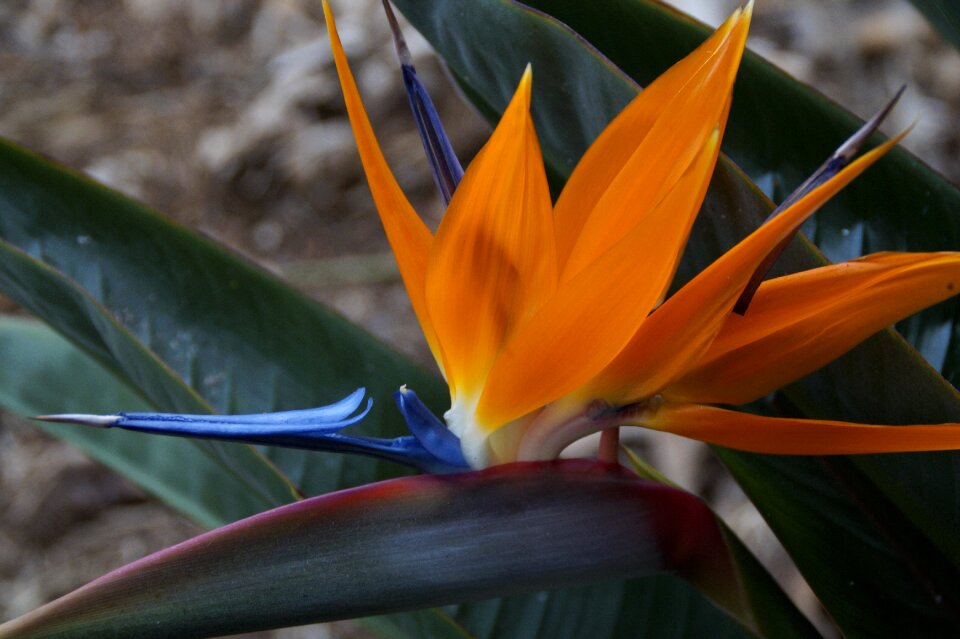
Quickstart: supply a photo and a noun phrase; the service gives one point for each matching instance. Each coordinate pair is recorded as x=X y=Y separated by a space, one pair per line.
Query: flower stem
x=609 y=450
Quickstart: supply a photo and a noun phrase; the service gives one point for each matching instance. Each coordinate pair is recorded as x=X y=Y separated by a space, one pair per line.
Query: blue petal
x=843 y=155
x=295 y=423
x=311 y=429
x=429 y=430
x=840 y=158
x=447 y=171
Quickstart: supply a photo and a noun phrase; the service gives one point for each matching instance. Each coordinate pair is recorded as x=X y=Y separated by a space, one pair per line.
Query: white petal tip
x=100 y=421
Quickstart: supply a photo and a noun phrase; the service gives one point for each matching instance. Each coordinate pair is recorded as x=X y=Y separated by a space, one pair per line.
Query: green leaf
x=487 y=43
x=189 y=324
x=658 y=607
x=404 y=543
x=434 y=623
x=879 y=580
x=944 y=16
x=40 y=372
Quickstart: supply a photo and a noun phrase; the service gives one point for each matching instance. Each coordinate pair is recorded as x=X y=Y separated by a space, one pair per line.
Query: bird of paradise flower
x=551 y=322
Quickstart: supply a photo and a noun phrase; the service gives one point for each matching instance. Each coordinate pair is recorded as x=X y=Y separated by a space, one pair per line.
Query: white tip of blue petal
x=99 y=421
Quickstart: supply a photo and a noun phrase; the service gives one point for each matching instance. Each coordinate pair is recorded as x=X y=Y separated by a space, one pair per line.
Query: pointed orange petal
x=679 y=332
x=581 y=328
x=637 y=160
x=800 y=322
x=408 y=235
x=787 y=436
x=492 y=265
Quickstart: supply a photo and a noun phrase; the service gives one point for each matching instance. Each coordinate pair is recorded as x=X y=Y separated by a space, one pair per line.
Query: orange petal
x=800 y=322
x=788 y=436
x=591 y=317
x=409 y=237
x=679 y=332
x=637 y=160
x=493 y=263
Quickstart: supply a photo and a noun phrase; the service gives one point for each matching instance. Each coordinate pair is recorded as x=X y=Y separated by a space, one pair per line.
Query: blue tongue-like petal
x=447 y=171
x=311 y=429
x=294 y=423
x=429 y=430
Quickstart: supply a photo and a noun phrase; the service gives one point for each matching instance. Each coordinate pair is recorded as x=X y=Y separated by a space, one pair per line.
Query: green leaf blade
x=189 y=324
x=41 y=372
x=944 y=16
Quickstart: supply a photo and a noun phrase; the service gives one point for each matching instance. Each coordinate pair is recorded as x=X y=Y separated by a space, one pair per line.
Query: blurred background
x=226 y=115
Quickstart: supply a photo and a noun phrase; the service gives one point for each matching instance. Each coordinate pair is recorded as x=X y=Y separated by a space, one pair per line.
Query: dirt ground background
x=226 y=115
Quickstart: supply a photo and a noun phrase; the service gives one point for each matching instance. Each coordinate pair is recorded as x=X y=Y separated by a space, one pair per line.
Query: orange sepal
x=610 y=152
x=667 y=150
x=678 y=333
x=409 y=237
x=789 y=436
x=581 y=328
x=800 y=322
x=492 y=264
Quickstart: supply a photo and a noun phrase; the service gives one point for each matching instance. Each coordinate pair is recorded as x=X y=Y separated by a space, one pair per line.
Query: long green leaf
x=187 y=323
x=404 y=543
x=657 y=607
x=486 y=43
x=40 y=371
x=944 y=16
x=21 y=273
